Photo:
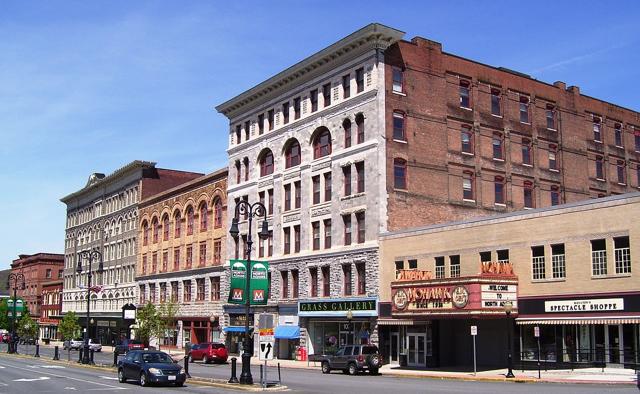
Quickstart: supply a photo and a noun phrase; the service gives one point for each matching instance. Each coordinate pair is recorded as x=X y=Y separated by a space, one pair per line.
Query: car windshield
x=369 y=350
x=161 y=358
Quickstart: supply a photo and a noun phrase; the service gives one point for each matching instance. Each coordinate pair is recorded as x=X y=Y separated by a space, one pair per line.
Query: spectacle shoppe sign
x=258 y=284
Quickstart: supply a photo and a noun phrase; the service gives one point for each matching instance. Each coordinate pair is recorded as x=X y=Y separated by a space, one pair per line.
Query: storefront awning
x=395 y=322
x=581 y=320
x=233 y=329
x=287 y=332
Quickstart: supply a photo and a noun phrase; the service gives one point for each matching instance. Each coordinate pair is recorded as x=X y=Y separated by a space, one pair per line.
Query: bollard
x=115 y=358
x=56 y=353
x=233 y=379
x=91 y=357
x=186 y=366
x=279 y=376
x=37 y=351
x=262 y=380
x=80 y=355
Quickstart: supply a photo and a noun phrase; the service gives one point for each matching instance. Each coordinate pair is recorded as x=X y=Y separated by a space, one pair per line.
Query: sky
x=89 y=86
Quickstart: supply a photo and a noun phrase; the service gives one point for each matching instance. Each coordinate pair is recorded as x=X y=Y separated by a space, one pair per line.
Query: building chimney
x=574 y=89
x=560 y=85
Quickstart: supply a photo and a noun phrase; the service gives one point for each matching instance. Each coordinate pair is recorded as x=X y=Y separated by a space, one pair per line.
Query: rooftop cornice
x=372 y=36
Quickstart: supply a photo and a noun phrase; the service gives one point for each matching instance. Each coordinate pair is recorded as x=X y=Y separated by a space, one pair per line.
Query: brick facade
x=37 y=269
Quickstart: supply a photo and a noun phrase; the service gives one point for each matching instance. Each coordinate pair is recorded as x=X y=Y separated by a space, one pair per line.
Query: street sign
x=536 y=332
x=266 y=337
x=474 y=330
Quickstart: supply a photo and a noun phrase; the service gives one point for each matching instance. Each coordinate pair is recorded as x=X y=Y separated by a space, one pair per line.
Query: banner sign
x=593 y=305
x=258 y=287
x=359 y=307
x=19 y=307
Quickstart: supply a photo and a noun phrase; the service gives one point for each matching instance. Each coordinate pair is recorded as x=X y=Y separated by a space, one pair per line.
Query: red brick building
x=466 y=139
x=50 y=309
x=37 y=269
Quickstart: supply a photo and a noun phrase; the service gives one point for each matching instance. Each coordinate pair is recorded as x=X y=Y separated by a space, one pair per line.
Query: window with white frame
x=537 y=262
x=622 y=254
x=439 y=267
x=454 y=266
x=598 y=257
x=558 y=266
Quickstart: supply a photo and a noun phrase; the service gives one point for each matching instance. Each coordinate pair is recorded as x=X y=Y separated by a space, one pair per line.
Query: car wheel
x=121 y=377
x=179 y=384
x=143 y=380
x=325 y=367
x=352 y=369
x=373 y=371
x=205 y=360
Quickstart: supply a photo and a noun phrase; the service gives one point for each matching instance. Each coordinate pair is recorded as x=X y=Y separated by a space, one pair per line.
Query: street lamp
x=349 y=318
x=91 y=256
x=17 y=278
x=508 y=307
x=256 y=209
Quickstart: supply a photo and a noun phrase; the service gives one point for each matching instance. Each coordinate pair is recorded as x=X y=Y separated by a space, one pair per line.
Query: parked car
x=76 y=344
x=95 y=346
x=125 y=346
x=353 y=358
x=208 y=352
x=146 y=367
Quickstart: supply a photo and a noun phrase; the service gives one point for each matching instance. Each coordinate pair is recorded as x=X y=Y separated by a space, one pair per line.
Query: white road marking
x=108 y=377
x=31 y=380
x=70 y=388
x=53 y=366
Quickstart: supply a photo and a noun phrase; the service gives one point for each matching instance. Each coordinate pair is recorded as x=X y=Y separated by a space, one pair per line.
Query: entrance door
x=394 y=346
x=614 y=345
x=417 y=350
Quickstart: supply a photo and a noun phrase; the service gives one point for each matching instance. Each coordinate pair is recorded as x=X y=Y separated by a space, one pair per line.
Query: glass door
x=417 y=350
x=613 y=345
x=393 y=348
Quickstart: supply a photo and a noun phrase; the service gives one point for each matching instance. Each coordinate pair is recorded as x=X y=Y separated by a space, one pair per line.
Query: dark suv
x=353 y=358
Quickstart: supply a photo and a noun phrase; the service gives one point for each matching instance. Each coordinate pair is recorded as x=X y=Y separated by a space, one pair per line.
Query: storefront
x=194 y=329
x=105 y=329
x=287 y=332
x=333 y=323
x=234 y=332
x=48 y=329
x=597 y=329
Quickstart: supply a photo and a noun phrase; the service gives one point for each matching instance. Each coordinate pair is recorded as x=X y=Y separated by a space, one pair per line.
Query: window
x=413 y=264
x=292 y=154
x=636 y=139
x=186 y=284
x=360 y=127
x=322 y=144
x=360 y=176
x=313 y=96
x=203 y=254
x=246 y=168
x=174 y=291
x=326 y=94
x=360 y=80
x=244 y=246
x=346 y=86
x=622 y=254
x=189 y=258
x=398 y=126
x=399 y=267
x=327 y=233
x=620 y=171
x=599 y=168
x=346 y=126
x=316 y=189
x=537 y=262
x=270 y=202
x=203 y=217
x=466 y=137
x=618 y=134
x=296 y=194
x=238 y=134
x=287 y=197
x=296 y=108
x=238 y=172
x=156 y=230
x=142 y=294
x=48 y=273
x=496 y=143
x=555 y=196
x=284 y=277
x=270 y=243
x=285 y=112
x=247 y=129
x=346 y=173
x=346 y=219
x=217 y=251
x=296 y=239
x=397 y=78
x=190 y=221
x=315 y=229
x=217 y=213
x=165 y=261
x=261 y=124
x=360 y=219
x=163 y=292
x=152 y=293
x=326 y=281
x=165 y=228
x=200 y=289
x=496 y=107
x=551 y=117
x=347 y=280
x=362 y=278
x=528 y=195
x=327 y=186
x=454 y=266
x=598 y=257
x=154 y=262
x=553 y=164
x=215 y=288
x=524 y=109
x=270 y=119
x=597 y=136
x=467 y=186
x=261 y=243
x=526 y=152
x=558 y=266
x=287 y=240
x=499 y=190
x=465 y=97
x=313 y=278
x=176 y=258
x=294 y=283
x=266 y=163
x=439 y=267
x=400 y=174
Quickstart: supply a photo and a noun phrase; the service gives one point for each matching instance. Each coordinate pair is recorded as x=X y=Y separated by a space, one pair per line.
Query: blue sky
x=88 y=86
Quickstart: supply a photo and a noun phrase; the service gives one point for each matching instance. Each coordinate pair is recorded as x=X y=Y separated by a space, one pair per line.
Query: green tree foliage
x=69 y=327
x=165 y=319
x=147 y=322
x=5 y=321
x=27 y=327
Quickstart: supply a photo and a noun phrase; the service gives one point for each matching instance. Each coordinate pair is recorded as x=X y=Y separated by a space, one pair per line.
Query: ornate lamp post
x=91 y=256
x=256 y=209
x=17 y=279
x=508 y=307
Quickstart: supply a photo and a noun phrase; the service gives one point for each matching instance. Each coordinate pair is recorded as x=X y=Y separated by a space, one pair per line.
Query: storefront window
x=327 y=337
x=530 y=343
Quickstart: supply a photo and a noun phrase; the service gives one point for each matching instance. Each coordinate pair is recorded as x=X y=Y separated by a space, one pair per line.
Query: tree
x=146 y=322
x=5 y=321
x=27 y=327
x=165 y=319
x=69 y=327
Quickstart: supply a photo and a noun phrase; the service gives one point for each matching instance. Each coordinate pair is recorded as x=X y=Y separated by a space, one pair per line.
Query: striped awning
x=580 y=321
x=395 y=322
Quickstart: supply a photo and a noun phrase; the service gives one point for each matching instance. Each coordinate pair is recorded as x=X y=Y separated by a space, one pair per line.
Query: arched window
x=346 y=126
x=266 y=163
x=246 y=169
x=400 y=174
x=292 y=154
x=156 y=230
x=165 y=227
x=238 y=172
x=322 y=144
x=203 y=217
x=177 y=225
x=145 y=233
x=360 y=126
x=190 y=220
x=217 y=213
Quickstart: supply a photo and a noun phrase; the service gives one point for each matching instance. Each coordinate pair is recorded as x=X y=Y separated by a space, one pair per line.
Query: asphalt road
x=33 y=375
